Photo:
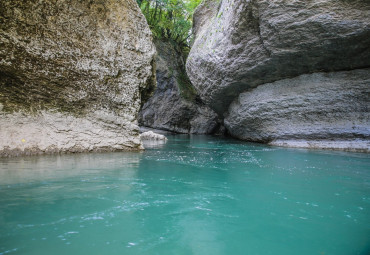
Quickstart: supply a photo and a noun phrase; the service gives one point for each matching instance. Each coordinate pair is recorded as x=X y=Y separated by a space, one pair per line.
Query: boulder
x=242 y=44
x=72 y=75
x=320 y=110
x=151 y=136
x=286 y=72
x=152 y=140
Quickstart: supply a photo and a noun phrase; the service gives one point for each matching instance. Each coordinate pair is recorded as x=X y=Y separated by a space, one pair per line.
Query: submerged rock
x=248 y=58
x=72 y=75
x=175 y=105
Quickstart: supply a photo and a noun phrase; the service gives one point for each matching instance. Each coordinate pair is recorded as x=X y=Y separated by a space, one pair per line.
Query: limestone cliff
x=175 y=105
x=243 y=44
x=72 y=75
x=319 y=108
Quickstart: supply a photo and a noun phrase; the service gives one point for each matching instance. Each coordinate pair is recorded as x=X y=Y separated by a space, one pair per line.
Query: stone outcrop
x=151 y=136
x=248 y=43
x=72 y=75
x=175 y=105
x=153 y=140
x=251 y=50
x=319 y=107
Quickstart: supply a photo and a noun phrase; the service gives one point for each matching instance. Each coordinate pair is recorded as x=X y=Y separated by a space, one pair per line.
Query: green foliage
x=187 y=91
x=170 y=19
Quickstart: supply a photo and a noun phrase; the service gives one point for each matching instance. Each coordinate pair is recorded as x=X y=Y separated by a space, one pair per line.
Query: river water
x=194 y=195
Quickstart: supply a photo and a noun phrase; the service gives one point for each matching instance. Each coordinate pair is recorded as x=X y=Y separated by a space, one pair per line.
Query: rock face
x=252 y=42
x=317 y=107
x=175 y=105
x=243 y=44
x=72 y=75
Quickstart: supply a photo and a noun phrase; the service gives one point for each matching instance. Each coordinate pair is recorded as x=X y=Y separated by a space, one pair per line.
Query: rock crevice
x=175 y=105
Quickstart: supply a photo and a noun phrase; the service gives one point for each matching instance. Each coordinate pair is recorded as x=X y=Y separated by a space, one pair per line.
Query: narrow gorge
x=81 y=76
x=175 y=105
x=169 y=127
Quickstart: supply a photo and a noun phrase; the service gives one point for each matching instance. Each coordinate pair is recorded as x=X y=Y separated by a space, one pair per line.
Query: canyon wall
x=72 y=75
x=286 y=72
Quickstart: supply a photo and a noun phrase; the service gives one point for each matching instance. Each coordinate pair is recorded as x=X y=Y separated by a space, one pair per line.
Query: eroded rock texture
x=243 y=44
x=251 y=42
x=317 y=107
x=175 y=105
x=72 y=75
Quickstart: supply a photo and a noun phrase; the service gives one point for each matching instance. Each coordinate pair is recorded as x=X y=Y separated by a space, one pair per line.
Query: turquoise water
x=198 y=195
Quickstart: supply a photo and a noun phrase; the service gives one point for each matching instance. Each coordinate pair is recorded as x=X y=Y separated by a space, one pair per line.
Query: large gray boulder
x=72 y=75
x=320 y=108
x=241 y=44
x=286 y=72
x=175 y=105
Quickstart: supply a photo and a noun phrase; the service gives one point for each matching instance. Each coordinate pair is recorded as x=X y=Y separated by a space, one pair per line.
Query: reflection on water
x=36 y=168
x=192 y=195
x=154 y=144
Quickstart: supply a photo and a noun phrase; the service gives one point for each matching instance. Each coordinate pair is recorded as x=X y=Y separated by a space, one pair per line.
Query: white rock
x=320 y=110
x=151 y=136
x=72 y=75
x=242 y=44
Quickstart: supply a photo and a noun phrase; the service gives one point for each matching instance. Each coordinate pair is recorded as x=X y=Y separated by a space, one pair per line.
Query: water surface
x=194 y=195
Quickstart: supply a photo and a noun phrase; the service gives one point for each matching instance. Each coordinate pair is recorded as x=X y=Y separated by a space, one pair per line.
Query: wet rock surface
x=72 y=75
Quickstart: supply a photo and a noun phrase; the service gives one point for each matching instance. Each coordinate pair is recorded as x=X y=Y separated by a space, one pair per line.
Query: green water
x=198 y=195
